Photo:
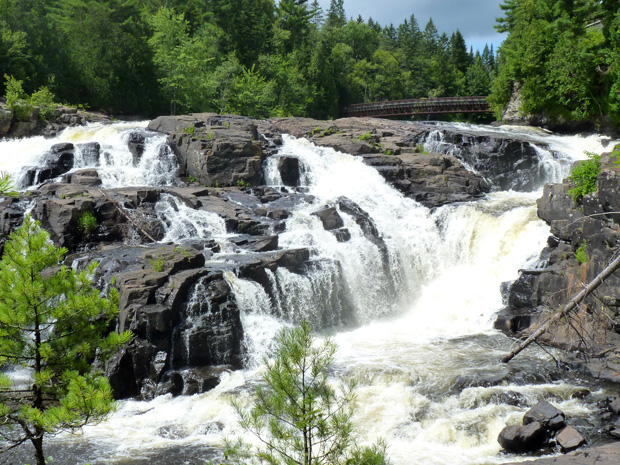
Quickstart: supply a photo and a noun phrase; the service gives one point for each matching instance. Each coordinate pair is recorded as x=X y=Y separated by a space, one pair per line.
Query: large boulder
x=214 y=150
x=543 y=425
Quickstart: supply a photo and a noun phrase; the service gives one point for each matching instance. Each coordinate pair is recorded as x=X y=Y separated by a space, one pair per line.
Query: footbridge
x=424 y=106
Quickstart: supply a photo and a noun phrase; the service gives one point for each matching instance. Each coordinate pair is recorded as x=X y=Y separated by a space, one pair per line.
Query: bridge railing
x=472 y=104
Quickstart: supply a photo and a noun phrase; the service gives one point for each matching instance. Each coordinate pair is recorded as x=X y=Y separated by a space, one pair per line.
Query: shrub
x=44 y=99
x=87 y=223
x=157 y=263
x=615 y=155
x=584 y=177
x=581 y=254
x=365 y=136
x=23 y=105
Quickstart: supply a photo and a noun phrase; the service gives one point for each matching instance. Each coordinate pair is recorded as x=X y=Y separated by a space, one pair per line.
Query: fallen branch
x=596 y=282
x=130 y=219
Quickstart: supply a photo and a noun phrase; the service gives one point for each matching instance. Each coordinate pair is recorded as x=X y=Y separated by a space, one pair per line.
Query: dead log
x=129 y=218
x=596 y=282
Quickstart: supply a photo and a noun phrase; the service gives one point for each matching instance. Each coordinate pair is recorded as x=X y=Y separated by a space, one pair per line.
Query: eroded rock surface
x=585 y=239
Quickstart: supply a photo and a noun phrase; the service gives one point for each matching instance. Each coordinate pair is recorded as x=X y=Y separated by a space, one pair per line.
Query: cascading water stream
x=409 y=299
x=115 y=164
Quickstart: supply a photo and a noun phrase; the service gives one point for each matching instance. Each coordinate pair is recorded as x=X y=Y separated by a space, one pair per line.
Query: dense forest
x=565 y=57
x=254 y=57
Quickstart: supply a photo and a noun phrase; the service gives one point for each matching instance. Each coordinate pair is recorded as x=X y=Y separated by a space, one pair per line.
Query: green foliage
x=564 y=68
x=189 y=130
x=584 y=177
x=157 y=263
x=16 y=98
x=259 y=58
x=23 y=105
x=365 y=136
x=87 y=223
x=421 y=149
x=615 y=155
x=243 y=184
x=581 y=253
x=44 y=99
x=53 y=322
x=7 y=188
x=183 y=251
x=296 y=413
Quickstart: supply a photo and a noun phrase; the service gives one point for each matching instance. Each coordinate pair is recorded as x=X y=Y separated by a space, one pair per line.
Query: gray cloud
x=474 y=18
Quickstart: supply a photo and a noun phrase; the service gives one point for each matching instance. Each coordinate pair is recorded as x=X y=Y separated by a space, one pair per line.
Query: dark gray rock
x=215 y=150
x=523 y=438
x=546 y=414
x=289 y=171
x=330 y=218
x=608 y=454
x=136 y=146
x=89 y=153
x=342 y=234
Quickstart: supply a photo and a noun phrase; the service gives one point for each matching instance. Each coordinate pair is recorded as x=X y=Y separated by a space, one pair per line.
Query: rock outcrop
x=608 y=454
x=543 y=426
x=176 y=299
x=213 y=150
x=393 y=149
x=585 y=238
x=63 y=118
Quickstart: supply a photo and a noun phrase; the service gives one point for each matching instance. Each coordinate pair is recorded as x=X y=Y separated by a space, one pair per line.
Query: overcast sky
x=474 y=18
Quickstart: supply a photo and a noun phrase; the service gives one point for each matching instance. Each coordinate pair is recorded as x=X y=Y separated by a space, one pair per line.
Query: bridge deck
x=429 y=106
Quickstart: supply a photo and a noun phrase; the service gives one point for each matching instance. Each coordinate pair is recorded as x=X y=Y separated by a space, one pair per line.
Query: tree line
x=253 y=57
x=565 y=57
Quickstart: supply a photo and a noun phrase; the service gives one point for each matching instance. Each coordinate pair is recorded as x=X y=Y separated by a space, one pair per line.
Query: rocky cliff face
x=177 y=301
x=592 y=227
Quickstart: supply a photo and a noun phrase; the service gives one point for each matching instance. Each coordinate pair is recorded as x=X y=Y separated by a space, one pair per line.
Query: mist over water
x=410 y=307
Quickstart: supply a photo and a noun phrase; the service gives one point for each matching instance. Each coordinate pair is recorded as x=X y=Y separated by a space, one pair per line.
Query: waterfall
x=407 y=293
x=183 y=222
x=98 y=145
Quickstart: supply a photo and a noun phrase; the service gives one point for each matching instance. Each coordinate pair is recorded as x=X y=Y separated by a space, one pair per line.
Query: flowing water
x=409 y=299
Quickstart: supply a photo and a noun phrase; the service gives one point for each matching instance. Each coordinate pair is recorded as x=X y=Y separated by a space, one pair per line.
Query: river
x=418 y=336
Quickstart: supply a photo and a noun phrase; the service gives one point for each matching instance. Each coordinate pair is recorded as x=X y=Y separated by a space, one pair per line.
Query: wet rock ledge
x=177 y=300
x=222 y=151
x=584 y=239
x=609 y=454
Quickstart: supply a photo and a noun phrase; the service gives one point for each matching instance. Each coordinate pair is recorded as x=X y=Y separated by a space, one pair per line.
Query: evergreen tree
x=335 y=15
x=294 y=17
x=297 y=415
x=247 y=25
x=478 y=82
x=52 y=322
x=430 y=38
x=317 y=14
x=458 y=52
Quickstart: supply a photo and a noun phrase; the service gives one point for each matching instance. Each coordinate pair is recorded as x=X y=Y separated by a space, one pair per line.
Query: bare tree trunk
x=596 y=282
x=37 y=442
